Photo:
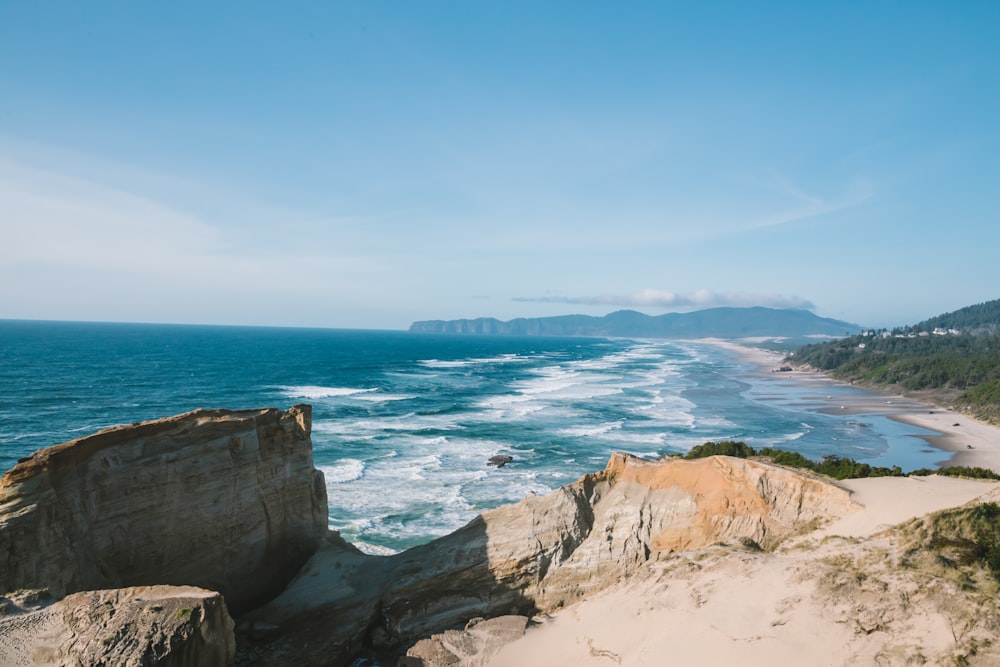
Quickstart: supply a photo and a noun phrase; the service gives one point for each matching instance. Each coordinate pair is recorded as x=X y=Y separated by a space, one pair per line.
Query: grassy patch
x=831 y=466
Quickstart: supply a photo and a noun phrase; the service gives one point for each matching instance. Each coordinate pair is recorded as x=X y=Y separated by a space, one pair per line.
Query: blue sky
x=367 y=164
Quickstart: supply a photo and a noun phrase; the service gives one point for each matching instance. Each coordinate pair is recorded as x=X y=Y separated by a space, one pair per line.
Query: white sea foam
x=437 y=483
x=417 y=469
x=512 y=411
x=374 y=549
x=591 y=431
x=47 y=434
x=666 y=411
x=446 y=477
x=644 y=437
x=712 y=422
x=316 y=392
x=379 y=397
x=350 y=525
x=507 y=406
x=506 y=359
x=410 y=421
x=345 y=470
x=631 y=400
x=503 y=400
x=335 y=427
x=475 y=361
x=438 y=363
x=559 y=384
x=664 y=372
x=616 y=359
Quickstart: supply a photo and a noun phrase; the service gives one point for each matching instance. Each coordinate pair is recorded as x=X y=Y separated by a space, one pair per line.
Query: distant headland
x=708 y=323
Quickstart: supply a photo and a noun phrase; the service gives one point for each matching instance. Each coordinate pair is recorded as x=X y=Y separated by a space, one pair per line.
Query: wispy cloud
x=78 y=247
x=54 y=219
x=652 y=298
x=803 y=205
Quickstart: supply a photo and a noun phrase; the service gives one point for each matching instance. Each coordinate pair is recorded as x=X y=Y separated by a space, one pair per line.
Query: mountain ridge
x=722 y=322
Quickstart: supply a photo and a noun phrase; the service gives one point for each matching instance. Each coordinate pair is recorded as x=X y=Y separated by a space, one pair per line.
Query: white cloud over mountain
x=654 y=298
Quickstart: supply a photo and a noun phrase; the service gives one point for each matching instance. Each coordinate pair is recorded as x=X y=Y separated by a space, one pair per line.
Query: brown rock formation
x=536 y=555
x=476 y=644
x=168 y=626
x=224 y=500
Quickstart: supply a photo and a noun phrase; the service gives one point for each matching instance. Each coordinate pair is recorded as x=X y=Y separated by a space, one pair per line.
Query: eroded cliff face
x=536 y=555
x=643 y=508
x=167 y=626
x=230 y=502
x=224 y=500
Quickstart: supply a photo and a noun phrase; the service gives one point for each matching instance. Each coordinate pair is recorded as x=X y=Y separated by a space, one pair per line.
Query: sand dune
x=843 y=594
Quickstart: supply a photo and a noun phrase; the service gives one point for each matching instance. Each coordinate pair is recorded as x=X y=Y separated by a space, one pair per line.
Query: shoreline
x=728 y=606
x=970 y=442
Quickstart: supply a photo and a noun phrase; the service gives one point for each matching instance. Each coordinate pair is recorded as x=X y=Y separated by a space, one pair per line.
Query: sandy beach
x=788 y=607
x=973 y=443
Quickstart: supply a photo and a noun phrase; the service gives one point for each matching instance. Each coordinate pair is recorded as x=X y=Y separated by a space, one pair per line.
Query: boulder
x=500 y=460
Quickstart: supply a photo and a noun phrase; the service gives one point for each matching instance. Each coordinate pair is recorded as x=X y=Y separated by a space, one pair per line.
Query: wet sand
x=726 y=607
x=972 y=442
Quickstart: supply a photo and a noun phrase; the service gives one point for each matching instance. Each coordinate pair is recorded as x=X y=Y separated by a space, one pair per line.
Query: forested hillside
x=953 y=358
x=983 y=318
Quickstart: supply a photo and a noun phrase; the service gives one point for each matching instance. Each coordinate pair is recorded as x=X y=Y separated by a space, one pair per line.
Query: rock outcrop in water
x=224 y=500
x=536 y=555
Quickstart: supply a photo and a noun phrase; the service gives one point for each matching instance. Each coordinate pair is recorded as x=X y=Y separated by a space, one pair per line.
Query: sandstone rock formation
x=922 y=592
x=229 y=501
x=536 y=555
x=168 y=626
x=475 y=645
x=225 y=500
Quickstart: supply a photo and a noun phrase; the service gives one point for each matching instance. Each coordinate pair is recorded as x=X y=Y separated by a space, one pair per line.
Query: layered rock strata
x=224 y=500
x=230 y=501
x=167 y=626
x=536 y=555
x=476 y=644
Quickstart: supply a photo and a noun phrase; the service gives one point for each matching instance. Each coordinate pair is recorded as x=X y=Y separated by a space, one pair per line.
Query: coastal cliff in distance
x=227 y=501
x=708 y=323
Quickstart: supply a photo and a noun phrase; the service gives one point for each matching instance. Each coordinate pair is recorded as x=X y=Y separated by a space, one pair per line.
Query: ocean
x=404 y=423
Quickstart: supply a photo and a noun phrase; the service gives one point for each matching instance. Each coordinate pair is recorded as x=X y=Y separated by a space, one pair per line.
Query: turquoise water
x=404 y=423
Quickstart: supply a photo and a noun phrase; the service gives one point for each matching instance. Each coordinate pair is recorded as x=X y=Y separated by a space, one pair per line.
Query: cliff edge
x=131 y=525
x=535 y=556
x=224 y=500
x=166 y=626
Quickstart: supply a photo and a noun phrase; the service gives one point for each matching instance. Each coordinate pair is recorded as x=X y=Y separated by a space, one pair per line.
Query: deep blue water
x=404 y=423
